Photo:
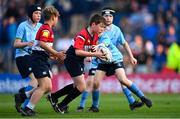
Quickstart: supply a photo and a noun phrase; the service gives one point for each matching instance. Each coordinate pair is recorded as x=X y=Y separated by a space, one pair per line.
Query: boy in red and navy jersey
x=74 y=62
x=45 y=34
x=42 y=50
x=82 y=41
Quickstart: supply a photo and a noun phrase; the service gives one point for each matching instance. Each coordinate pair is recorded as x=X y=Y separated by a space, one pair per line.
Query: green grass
x=111 y=106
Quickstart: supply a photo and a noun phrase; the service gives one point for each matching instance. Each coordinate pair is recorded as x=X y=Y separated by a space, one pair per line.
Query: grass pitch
x=111 y=106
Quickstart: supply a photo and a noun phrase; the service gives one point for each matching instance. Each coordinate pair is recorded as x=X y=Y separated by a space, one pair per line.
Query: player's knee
x=96 y=85
x=81 y=88
x=49 y=88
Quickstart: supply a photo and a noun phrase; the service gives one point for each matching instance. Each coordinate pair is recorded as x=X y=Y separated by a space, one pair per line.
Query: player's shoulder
x=45 y=27
x=39 y=24
x=23 y=24
x=116 y=27
x=104 y=36
x=82 y=33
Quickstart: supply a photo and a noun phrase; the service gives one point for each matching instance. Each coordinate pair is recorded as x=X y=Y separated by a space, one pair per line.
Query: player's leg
x=28 y=90
x=79 y=87
x=99 y=75
x=53 y=97
x=89 y=86
x=45 y=86
x=25 y=69
x=120 y=74
x=132 y=102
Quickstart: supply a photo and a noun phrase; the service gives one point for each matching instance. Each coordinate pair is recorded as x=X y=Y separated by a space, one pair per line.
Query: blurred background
x=151 y=27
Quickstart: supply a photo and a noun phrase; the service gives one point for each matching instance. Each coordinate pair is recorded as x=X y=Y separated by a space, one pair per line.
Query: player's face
x=99 y=28
x=36 y=16
x=108 y=18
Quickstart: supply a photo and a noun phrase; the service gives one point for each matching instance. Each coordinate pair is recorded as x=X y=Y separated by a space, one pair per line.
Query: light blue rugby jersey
x=112 y=37
x=26 y=32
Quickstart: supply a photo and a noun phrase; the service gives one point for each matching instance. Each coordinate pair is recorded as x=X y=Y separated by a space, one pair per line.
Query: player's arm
x=128 y=50
x=43 y=44
x=19 y=35
x=80 y=52
x=79 y=46
x=19 y=44
x=50 y=50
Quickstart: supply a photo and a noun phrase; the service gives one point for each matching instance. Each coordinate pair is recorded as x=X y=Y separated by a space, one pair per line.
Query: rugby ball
x=107 y=53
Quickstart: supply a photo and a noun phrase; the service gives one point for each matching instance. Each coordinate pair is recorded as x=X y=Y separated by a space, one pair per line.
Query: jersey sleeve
x=79 y=42
x=121 y=39
x=20 y=31
x=44 y=35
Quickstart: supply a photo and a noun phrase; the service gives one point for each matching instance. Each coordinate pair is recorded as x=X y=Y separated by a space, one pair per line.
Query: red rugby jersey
x=84 y=40
x=44 y=34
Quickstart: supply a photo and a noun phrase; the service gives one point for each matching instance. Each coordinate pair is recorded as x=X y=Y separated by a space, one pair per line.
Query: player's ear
x=93 y=24
x=53 y=18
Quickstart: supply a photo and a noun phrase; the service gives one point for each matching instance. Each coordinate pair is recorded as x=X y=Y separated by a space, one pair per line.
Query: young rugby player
x=115 y=35
x=42 y=50
x=116 y=67
x=74 y=62
x=25 y=38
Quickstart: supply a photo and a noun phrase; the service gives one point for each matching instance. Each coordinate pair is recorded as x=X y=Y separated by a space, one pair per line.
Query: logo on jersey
x=45 y=33
x=87 y=48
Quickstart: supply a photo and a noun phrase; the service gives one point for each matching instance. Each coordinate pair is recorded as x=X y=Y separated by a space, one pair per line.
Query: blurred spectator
x=171 y=35
x=139 y=53
x=149 y=48
x=65 y=9
x=137 y=45
x=159 y=58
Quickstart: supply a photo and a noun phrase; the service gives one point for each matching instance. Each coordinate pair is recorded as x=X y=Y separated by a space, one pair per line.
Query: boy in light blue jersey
x=25 y=38
x=114 y=37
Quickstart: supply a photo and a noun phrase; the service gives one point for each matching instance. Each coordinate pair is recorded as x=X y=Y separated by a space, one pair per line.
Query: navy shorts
x=92 y=71
x=110 y=68
x=24 y=65
x=40 y=64
x=74 y=67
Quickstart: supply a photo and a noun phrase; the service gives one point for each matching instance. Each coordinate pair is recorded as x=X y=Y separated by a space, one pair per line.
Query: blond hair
x=49 y=12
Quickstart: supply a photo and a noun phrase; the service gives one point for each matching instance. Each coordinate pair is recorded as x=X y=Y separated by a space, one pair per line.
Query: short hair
x=50 y=11
x=97 y=19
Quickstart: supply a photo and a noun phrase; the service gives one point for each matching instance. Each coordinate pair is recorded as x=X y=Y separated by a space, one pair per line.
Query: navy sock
x=71 y=96
x=63 y=91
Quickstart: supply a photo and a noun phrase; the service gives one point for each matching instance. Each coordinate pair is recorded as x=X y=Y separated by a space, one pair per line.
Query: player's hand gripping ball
x=107 y=52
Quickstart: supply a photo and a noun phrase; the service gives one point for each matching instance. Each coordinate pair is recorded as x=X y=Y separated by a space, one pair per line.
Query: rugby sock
x=95 y=98
x=28 y=89
x=136 y=90
x=62 y=91
x=83 y=98
x=128 y=95
x=71 y=96
x=30 y=105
